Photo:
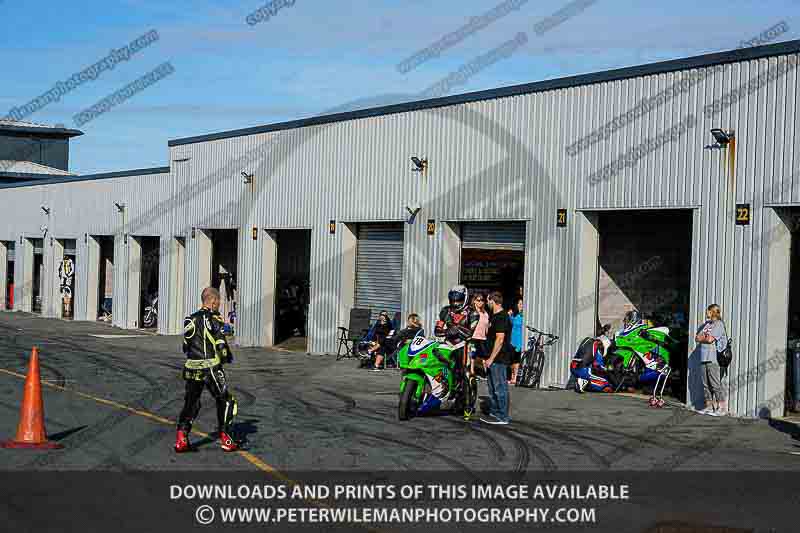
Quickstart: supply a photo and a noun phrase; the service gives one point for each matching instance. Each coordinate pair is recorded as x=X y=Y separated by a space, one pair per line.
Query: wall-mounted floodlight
x=723 y=139
x=46 y=210
x=120 y=207
x=721 y=136
x=247 y=178
x=420 y=165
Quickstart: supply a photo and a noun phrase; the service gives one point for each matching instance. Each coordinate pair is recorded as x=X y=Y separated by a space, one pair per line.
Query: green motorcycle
x=429 y=382
x=641 y=355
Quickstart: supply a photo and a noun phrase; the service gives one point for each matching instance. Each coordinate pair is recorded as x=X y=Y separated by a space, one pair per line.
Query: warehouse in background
x=499 y=199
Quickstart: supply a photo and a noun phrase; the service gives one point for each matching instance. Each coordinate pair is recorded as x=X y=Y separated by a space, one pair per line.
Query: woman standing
x=517 y=338
x=712 y=338
x=479 y=323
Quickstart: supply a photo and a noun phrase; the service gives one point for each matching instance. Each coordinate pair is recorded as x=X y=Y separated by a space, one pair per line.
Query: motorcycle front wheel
x=405 y=408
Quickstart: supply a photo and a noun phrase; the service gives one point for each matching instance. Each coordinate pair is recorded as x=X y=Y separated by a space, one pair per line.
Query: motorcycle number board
x=419 y=344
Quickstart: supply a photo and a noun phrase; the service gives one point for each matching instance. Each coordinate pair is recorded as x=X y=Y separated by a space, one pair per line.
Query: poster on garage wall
x=493 y=270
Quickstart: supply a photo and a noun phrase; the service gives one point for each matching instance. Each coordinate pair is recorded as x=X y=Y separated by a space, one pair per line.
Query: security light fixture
x=721 y=136
x=248 y=178
x=46 y=210
x=723 y=139
x=420 y=165
x=120 y=207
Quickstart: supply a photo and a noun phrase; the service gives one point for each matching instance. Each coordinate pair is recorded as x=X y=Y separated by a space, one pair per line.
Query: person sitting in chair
x=395 y=342
x=378 y=334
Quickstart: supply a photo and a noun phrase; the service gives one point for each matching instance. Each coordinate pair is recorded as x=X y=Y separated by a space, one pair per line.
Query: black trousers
x=213 y=380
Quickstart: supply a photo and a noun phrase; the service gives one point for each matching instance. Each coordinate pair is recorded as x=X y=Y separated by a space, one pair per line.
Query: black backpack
x=725 y=357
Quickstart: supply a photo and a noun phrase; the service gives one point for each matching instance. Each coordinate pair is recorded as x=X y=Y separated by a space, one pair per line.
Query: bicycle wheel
x=536 y=366
x=524 y=368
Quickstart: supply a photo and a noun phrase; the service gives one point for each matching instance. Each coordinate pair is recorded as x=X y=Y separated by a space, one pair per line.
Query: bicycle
x=532 y=360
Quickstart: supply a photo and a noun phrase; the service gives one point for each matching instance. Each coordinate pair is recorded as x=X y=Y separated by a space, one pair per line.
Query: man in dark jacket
x=206 y=350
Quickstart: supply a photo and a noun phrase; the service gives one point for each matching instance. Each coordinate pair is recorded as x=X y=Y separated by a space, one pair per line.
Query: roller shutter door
x=70 y=246
x=379 y=268
x=493 y=235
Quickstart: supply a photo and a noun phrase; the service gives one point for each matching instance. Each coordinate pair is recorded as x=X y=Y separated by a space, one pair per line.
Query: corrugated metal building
x=506 y=155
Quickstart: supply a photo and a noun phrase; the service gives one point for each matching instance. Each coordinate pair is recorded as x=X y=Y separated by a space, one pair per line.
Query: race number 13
x=743 y=214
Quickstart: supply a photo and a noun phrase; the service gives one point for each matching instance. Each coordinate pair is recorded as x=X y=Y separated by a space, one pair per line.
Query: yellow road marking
x=249 y=457
x=255 y=461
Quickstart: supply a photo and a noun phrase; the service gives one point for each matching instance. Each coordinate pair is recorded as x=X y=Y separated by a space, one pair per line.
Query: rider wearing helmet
x=453 y=323
x=588 y=364
x=631 y=320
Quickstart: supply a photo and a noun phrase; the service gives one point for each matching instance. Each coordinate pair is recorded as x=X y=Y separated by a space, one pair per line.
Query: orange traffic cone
x=30 y=431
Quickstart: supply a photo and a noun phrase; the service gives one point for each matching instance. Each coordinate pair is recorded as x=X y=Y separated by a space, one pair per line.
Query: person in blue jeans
x=498 y=342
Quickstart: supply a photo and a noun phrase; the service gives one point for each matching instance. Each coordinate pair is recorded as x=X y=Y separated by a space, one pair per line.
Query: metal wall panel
x=501 y=159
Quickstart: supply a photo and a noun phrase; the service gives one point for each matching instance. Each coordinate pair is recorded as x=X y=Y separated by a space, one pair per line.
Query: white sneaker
x=706 y=411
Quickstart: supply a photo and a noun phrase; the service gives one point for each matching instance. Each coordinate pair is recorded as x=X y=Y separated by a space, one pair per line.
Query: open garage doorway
x=292 y=288
x=148 y=283
x=7 y=284
x=493 y=258
x=224 y=270
x=65 y=269
x=38 y=275
x=100 y=301
x=645 y=262
x=792 y=220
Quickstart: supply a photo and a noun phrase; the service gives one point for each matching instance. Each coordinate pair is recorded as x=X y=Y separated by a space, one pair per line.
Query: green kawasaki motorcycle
x=429 y=383
x=641 y=355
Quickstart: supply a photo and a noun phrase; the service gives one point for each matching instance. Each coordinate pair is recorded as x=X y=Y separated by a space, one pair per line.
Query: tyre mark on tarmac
x=349 y=402
x=492 y=444
x=522 y=449
x=564 y=438
x=382 y=437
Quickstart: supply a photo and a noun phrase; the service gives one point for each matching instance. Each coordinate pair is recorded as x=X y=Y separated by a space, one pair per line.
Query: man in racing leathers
x=588 y=365
x=453 y=324
x=206 y=350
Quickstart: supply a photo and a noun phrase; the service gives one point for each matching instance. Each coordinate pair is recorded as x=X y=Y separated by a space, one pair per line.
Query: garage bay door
x=493 y=235
x=379 y=268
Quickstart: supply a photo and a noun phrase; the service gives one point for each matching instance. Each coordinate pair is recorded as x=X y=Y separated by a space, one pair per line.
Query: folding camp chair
x=350 y=336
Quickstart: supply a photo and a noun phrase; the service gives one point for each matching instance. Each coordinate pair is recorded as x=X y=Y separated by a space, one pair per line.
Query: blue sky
x=315 y=56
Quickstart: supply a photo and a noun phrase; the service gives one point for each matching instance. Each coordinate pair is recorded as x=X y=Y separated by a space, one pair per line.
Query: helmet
x=457 y=297
x=632 y=318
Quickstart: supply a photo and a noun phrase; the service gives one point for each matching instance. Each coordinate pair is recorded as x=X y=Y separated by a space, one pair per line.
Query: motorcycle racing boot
x=182 y=443
x=227 y=443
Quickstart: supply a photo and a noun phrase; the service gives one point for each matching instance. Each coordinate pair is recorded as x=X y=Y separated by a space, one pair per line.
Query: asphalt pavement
x=310 y=412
